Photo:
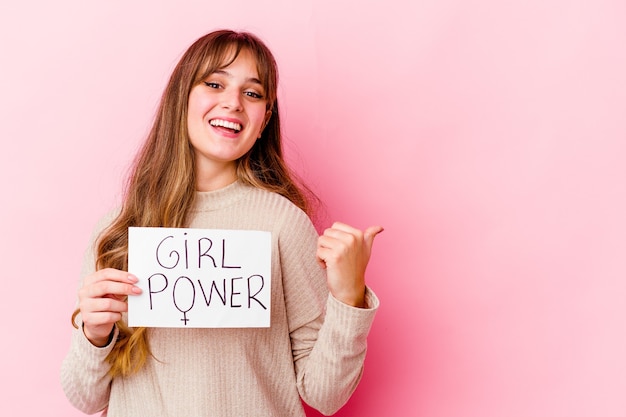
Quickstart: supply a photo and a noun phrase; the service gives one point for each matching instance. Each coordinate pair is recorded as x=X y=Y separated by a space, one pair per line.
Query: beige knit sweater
x=314 y=348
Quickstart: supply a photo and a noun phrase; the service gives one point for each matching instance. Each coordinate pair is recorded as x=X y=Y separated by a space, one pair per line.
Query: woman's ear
x=268 y=116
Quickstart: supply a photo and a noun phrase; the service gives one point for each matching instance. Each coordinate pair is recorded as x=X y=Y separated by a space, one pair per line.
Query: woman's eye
x=211 y=85
x=253 y=94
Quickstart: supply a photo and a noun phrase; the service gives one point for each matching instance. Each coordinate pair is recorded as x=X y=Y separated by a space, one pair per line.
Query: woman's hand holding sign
x=101 y=301
x=344 y=252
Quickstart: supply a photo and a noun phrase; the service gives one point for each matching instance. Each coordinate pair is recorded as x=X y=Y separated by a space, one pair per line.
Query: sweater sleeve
x=85 y=375
x=328 y=338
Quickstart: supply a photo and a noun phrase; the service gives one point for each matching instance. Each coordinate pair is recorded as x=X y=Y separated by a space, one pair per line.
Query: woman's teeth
x=224 y=123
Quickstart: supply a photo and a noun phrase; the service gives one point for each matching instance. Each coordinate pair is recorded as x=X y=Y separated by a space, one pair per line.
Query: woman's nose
x=231 y=99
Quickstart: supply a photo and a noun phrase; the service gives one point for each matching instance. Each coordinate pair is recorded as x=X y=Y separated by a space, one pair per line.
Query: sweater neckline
x=220 y=198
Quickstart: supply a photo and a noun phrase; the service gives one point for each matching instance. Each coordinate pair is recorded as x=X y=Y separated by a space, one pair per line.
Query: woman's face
x=227 y=112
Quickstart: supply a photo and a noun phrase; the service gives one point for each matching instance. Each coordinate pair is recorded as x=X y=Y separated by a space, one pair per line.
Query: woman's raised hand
x=102 y=299
x=344 y=252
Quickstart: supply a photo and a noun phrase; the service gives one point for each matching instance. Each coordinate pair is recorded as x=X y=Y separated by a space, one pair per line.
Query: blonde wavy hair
x=161 y=186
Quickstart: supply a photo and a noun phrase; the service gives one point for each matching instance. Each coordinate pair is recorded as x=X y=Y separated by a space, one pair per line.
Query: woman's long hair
x=161 y=185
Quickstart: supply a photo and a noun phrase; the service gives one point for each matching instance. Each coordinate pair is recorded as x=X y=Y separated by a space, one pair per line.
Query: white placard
x=200 y=277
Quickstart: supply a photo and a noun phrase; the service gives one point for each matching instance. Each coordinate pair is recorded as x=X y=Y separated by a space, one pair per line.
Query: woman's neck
x=211 y=180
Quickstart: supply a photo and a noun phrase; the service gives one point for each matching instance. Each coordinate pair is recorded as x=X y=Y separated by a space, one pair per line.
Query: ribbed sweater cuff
x=92 y=355
x=353 y=320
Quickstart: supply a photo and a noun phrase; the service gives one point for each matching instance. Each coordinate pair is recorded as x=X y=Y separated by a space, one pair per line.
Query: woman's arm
x=85 y=375
x=328 y=336
x=101 y=300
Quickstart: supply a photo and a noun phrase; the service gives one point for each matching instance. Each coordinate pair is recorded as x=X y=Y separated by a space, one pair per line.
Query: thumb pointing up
x=344 y=251
x=369 y=235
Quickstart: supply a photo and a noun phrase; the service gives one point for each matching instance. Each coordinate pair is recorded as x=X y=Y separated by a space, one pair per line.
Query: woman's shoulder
x=286 y=215
x=275 y=201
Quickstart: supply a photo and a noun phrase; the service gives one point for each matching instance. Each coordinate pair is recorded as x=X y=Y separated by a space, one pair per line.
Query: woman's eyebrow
x=227 y=74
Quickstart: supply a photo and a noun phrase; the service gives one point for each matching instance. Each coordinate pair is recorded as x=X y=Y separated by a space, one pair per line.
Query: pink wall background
x=487 y=137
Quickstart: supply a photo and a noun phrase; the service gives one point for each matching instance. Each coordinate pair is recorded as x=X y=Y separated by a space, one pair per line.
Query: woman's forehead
x=230 y=55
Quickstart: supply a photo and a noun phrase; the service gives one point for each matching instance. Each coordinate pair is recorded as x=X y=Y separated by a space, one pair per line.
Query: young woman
x=213 y=160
